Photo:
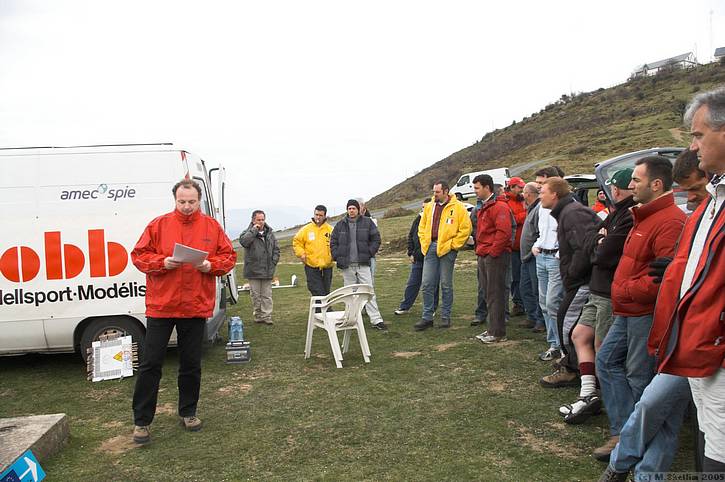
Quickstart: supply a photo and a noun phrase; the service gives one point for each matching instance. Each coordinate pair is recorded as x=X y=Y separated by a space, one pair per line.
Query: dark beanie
x=353 y=202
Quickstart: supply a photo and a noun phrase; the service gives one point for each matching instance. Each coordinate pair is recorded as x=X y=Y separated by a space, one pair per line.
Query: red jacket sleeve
x=145 y=255
x=502 y=238
x=224 y=257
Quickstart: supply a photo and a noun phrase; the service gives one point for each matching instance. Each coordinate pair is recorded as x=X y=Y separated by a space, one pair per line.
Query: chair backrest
x=354 y=297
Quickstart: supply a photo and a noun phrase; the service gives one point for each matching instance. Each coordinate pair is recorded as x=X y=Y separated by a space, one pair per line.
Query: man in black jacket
x=574 y=220
x=416 y=269
x=355 y=239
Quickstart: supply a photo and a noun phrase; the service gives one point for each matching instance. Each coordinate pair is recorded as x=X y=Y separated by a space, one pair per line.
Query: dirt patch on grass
x=165 y=409
x=542 y=444
x=406 y=354
x=102 y=393
x=118 y=445
x=446 y=346
x=496 y=386
x=236 y=389
x=113 y=424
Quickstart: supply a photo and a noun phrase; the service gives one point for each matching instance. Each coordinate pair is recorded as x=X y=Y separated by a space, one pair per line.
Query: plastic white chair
x=350 y=319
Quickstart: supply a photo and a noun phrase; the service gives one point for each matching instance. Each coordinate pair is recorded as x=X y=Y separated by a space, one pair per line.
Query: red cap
x=516 y=181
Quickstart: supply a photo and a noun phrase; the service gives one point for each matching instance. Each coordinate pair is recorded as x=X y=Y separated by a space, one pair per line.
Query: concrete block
x=43 y=434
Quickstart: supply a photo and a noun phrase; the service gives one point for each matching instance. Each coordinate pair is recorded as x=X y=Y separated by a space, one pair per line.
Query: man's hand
x=204 y=267
x=169 y=263
x=535 y=251
x=603 y=231
x=303 y=257
x=658 y=268
x=412 y=259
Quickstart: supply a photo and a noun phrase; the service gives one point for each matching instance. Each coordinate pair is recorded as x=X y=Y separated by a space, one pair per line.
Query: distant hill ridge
x=578 y=131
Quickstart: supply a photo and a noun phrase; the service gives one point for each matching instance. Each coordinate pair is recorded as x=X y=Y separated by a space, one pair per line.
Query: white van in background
x=70 y=218
x=464 y=187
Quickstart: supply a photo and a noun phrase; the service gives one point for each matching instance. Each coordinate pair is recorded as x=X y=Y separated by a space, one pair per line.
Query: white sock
x=589 y=385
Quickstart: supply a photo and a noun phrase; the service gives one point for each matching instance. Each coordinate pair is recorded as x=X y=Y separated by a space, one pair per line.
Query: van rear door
x=221 y=216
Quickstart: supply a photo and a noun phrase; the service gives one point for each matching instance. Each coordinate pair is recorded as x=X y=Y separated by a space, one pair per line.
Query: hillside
x=578 y=130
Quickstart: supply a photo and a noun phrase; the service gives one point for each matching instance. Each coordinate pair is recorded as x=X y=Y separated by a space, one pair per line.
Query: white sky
x=318 y=101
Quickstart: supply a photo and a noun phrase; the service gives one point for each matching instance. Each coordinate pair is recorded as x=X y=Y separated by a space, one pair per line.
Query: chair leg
x=310 y=329
x=335 y=345
x=362 y=337
x=346 y=341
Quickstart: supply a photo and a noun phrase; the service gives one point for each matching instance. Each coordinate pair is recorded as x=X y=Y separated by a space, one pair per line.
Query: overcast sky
x=318 y=101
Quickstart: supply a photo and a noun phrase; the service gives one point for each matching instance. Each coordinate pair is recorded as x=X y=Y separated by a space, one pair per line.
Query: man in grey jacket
x=261 y=254
x=355 y=240
x=529 y=283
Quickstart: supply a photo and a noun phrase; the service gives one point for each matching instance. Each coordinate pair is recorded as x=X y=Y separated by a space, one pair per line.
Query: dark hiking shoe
x=610 y=475
x=380 y=326
x=562 y=377
x=141 y=434
x=423 y=325
x=444 y=324
x=478 y=322
x=582 y=408
x=400 y=311
x=602 y=453
x=192 y=424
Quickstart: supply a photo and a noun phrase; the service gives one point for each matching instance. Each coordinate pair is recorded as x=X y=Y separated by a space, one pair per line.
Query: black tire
x=111 y=325
x=459 y=196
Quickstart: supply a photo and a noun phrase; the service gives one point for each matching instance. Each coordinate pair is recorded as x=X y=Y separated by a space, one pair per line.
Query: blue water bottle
x=236 y=329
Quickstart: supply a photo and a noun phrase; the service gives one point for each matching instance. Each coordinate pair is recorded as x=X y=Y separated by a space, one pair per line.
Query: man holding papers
x=179 y=294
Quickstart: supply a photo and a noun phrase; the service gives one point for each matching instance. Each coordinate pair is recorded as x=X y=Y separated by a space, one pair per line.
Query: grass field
x=435 y=405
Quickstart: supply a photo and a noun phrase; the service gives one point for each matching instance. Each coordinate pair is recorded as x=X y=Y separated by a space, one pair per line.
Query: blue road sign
x=25 y=469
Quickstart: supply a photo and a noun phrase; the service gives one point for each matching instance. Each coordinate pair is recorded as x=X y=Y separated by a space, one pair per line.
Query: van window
x=204 y=197
x=463 y=180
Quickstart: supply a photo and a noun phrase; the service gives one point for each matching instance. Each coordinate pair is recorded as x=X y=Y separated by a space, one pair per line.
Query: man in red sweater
x=177 y=295
x=493 y=248
x=624 y=367
x=515 y=200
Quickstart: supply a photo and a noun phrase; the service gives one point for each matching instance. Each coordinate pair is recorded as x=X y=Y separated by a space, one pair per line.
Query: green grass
x=435 y=405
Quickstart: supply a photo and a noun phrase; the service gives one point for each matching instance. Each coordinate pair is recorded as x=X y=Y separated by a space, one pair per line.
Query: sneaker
x=192 y=424
x=602 y=453
x=423 y=325
x=478 y=322
x=582 y=408
x=380 y=326
x=562 y=377
x=489 y=339
x=401 y=311
x=550 y=354
x=610 y=475
x=444 y=324
x=482 y=335
x=141 y=434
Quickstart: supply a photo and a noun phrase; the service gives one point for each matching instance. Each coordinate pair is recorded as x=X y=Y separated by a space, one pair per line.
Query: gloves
x=658 y=267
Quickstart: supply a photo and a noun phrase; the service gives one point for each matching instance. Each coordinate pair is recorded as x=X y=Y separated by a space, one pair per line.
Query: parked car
x=464 y=187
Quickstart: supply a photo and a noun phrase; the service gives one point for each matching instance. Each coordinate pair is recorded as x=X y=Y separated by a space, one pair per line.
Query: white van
x=464 y=187
x=70 y=218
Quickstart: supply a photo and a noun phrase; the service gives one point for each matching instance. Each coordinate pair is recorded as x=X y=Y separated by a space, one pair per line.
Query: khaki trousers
x=261 y=290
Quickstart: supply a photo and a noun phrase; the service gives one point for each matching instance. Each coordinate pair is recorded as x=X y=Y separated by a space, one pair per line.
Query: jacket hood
x=563 y=202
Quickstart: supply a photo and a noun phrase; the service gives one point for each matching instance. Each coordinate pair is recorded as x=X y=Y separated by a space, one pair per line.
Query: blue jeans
x=550 y=294
x=413 y=287
x=529 y=290
x=515 y=268
x=648 y=440
x=624 y=367
x=437 y=270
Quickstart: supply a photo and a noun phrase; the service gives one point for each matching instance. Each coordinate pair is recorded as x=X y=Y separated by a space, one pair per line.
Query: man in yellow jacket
x=444 y=229
x=312 y=245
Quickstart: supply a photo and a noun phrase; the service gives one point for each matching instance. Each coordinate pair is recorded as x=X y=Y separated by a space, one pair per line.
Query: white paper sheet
x=185 y=254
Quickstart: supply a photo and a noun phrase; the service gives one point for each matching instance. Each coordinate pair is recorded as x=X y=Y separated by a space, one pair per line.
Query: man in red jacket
x=177 y=295
x=493 y=248
x=515 y=200
x=623 y=365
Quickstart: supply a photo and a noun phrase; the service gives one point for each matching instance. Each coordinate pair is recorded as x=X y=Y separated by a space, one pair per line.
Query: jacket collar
x=533 y=205
x=640 y=213
x=185 y=219
x=625 y=203
x=563 y=202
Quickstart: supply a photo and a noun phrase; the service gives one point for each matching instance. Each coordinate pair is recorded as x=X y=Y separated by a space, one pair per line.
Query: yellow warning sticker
x=118 y=356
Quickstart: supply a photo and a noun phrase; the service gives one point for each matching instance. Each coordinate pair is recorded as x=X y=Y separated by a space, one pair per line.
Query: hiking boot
x=192 y=424
x=444 y=324
x=562 y=377
x=550 y=354
x=582 y=408
x=517 y=310
x=478 y=322
x=423 y=325
x=141 y=434
x=539 y=329
x=610 y=475
x=490 y=339
x=602 y=453
x=380 y=326
x=400 y=311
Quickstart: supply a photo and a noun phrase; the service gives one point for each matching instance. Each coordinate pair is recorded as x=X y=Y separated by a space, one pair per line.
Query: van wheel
x=111 y=326
x=459 y=196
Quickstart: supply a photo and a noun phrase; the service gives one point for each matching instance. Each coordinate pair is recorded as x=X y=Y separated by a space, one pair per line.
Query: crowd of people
x=629 y=295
